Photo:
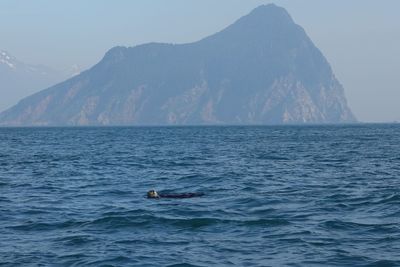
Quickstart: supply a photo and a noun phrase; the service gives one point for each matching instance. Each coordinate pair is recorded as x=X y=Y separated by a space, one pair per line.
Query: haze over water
x=274 y=196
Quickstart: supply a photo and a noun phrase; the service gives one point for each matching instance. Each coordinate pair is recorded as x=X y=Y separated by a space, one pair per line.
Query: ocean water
x=274 y=196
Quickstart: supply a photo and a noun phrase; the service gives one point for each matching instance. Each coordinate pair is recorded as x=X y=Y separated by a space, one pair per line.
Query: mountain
x=263 y=69
x=18 y=79
x=72 y=71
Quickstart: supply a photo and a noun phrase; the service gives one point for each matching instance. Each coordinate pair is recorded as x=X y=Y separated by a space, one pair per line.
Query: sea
x=316 y=195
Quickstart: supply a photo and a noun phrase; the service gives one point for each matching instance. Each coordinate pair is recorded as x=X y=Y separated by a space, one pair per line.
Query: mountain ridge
x=262 y=69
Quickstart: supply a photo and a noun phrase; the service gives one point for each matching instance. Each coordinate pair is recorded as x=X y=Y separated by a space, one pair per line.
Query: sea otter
x=154 y=194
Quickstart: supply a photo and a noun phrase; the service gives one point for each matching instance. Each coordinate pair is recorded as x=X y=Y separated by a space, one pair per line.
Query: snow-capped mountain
x=73 y=70
x=7 y=60
x=18 y=79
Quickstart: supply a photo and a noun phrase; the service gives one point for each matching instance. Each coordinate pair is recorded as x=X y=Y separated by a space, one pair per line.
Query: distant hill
x=263 y=69
x=18 y=79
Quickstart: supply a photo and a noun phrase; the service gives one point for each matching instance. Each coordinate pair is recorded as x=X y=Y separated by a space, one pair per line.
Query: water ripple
x=274 y=196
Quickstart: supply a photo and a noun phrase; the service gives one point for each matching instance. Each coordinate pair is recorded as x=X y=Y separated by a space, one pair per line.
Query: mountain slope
x=263 y=69
x=18 y=79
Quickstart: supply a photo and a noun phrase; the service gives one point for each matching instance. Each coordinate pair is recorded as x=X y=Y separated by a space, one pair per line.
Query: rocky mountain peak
x=263 y=69
x=270 y=13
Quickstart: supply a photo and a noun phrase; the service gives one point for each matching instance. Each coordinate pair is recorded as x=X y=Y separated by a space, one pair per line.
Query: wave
x=115 y=221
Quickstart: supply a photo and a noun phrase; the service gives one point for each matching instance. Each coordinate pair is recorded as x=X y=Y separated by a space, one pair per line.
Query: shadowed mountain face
x=263 y=69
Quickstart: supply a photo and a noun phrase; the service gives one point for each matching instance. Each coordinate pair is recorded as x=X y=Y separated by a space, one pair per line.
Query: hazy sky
x=360 y=38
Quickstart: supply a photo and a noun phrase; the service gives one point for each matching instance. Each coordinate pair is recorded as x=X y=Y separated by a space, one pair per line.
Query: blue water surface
x=274 y=196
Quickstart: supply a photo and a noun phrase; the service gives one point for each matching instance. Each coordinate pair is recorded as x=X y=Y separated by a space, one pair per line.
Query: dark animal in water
x=154 y=194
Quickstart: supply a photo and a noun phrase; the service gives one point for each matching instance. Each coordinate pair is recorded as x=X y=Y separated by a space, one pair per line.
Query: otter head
x=152 y=194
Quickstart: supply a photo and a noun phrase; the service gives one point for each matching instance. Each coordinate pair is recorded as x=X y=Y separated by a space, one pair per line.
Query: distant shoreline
x=201 y=125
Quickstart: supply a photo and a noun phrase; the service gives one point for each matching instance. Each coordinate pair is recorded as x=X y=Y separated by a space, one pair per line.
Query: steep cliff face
x=263 y=69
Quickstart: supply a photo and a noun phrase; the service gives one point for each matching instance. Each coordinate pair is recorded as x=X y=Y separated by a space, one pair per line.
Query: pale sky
x=360 y=38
